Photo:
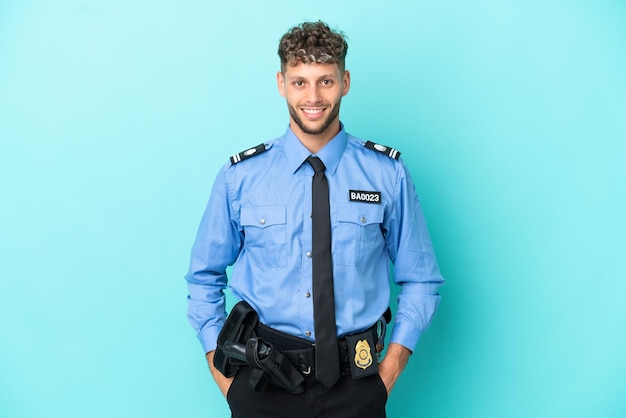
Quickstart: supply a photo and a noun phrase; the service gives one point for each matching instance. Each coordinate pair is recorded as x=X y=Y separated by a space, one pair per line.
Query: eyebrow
x=298 y=77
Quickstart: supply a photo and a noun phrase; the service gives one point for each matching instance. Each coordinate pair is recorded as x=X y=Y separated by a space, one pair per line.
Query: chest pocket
x=265 y=232
x=357 y=235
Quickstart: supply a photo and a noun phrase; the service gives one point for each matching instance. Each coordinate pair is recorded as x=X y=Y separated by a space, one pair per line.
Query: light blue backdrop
x=115 y=116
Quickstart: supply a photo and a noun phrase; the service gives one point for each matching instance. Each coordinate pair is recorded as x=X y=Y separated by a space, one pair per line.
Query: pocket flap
x=263 y=216
x=360 y=213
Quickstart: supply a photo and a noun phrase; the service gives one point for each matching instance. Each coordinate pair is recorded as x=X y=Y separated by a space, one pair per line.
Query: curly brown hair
x=313 y=42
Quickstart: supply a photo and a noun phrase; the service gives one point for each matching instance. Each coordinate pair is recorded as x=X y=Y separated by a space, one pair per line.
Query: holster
x=238 y=328
x=238 y=345
x=271 y=366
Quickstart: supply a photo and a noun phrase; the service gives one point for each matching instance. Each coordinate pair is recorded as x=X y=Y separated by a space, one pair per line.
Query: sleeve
x=217 y=246
x=415 y=266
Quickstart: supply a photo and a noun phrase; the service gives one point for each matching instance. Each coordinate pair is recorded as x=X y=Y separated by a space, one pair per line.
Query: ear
x=346 y=82
x=280 y=81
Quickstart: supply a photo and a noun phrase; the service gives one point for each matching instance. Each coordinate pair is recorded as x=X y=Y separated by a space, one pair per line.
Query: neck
x=315 y=142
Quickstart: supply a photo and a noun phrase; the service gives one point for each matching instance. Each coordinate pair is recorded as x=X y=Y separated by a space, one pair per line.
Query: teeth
x=312 y=111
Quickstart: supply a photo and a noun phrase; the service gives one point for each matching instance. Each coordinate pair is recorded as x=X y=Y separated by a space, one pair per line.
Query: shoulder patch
x=237 y=158
x=389 y=152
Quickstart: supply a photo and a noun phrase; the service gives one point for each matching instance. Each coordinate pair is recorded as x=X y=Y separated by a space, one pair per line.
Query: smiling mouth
x=313 y=112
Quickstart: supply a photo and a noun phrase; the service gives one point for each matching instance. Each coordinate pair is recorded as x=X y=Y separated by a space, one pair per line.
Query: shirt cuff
x=406 y=335
x=208 y=338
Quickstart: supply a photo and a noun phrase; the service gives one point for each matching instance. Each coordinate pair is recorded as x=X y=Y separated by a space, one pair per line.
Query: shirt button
x=307 y=295
x=309 y=254
x=363 y=219
x=307 y=333
x=262 y=221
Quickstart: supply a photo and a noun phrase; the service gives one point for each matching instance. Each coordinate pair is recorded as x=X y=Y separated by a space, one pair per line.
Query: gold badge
x=363 y=354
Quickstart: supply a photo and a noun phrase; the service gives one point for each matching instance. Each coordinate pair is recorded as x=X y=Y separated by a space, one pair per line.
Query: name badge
x=365 y=197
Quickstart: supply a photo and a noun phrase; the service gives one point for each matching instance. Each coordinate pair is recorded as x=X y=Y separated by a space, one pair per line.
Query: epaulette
x=237 y=158
x=389 y=152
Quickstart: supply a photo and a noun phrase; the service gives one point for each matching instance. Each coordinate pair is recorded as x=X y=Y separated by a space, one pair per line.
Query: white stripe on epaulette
x=389 y=152
x=244 y=155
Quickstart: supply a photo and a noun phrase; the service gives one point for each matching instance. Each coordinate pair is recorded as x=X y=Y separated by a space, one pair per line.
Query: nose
x=313 y=94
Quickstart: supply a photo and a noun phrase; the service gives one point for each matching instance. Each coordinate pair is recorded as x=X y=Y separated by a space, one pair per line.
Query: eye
x=327 y=82
x=298 y=83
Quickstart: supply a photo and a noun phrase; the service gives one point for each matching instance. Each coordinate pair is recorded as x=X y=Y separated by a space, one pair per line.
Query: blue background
x=115 y=117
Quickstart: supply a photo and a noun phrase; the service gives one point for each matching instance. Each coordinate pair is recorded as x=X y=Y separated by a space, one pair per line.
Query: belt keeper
x=380 y=342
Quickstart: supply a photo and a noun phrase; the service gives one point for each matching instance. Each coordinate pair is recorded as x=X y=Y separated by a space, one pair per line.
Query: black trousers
x=363 y=398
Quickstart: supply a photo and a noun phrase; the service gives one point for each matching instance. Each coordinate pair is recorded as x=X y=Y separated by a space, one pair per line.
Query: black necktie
x=326 y=351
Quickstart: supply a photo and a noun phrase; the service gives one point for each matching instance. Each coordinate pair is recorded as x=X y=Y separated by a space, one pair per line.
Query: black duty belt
x=358 y=355
x=282 y=359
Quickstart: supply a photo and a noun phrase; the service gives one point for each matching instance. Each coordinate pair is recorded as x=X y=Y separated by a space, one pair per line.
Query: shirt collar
x=330 y=155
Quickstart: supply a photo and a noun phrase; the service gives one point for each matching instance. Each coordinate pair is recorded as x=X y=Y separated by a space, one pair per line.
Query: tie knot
x=317 y=164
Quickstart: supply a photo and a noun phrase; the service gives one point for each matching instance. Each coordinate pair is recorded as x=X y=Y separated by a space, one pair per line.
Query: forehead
x=312 y=70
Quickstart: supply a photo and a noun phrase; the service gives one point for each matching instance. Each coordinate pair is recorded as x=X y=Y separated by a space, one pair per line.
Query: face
x=313 y=93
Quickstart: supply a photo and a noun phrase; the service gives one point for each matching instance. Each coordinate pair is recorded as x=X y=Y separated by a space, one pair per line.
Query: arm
x=415 y=266
x=393 y=364
x=217 y=245
x=222 y=381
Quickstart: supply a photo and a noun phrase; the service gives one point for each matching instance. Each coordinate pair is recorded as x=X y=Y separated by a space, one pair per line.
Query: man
x=268 y=215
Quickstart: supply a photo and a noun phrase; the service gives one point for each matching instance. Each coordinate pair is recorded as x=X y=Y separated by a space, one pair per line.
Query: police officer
x=260 y=217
